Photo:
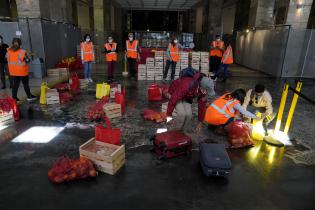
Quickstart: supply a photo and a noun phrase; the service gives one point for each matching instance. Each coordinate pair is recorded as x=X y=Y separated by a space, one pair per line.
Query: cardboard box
x=112 y=110
x=107 y=158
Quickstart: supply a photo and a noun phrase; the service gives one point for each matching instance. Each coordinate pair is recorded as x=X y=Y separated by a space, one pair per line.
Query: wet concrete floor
x=262 y=177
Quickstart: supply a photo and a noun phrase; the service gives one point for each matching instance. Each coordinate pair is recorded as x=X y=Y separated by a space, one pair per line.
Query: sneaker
x=32 y=98
x=90 y=80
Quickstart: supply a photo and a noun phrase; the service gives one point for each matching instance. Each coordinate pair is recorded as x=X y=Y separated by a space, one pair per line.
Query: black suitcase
x=214 y=160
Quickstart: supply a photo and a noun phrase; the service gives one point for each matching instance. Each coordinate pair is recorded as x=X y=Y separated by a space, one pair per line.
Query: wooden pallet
x=112 y=110
x=108 y=158
x=83 y=84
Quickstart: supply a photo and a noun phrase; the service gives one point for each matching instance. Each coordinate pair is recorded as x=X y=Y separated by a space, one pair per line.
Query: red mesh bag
x=107 y=134
x=62 y=87
x=65 y=97
x=239 y=135
x=157 y=117
x=75 y=82
x=7 y=104
x=65 y=169
x=96 y=111
x=154 y=93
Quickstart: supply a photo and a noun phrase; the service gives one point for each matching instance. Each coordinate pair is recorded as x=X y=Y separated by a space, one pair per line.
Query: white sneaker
x=90 y=80
x=87 y=80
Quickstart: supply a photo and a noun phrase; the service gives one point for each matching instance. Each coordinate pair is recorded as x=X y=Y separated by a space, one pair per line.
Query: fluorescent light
x=161 y=130
x=38 y=134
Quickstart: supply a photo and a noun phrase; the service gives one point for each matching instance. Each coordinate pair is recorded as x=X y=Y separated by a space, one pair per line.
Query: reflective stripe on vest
x=226 y=106
x=20 y=62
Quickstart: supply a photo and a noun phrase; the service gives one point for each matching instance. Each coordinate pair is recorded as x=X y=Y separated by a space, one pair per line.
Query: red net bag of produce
x=96 y=111
x=154 y=93
x=107 y=134
x=65 y=97
x=239 y=135
x=74 y=82
x=157 y=117
x=65 y=169
x=7 y=104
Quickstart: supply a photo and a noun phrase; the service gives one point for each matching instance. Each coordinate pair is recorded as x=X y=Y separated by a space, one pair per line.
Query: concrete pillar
x=214 y=18
x=98 y=14
x=28 y=8
x=298 y=13
x=261 y=13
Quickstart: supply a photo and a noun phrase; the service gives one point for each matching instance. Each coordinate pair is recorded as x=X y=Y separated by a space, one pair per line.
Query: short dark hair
x=239 y=94
x=18 y=40
x=259 y=88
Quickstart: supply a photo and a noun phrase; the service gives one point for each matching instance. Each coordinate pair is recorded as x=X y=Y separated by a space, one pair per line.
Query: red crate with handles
x=154 y=93
x=107 y=134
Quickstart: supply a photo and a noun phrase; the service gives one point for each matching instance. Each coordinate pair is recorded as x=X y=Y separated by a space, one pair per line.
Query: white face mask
x=175 y=41
x=130 y=38
x=110 y=40
x=218 y=39
x=87 y=39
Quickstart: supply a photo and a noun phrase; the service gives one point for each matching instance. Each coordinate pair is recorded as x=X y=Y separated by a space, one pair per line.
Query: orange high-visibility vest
x=216 y=52
x=220 y=111
x=227 y=56
x=17 y=65
x=87 y=50
x=174 y=52
x=132 y=49
x=111 y=56
x=218 y=44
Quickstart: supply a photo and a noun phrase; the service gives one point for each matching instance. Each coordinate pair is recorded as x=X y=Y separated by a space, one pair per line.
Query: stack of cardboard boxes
x=142 y=72
x=195 y=60
x=150 y=68
x=204 y=62
x=158 y=58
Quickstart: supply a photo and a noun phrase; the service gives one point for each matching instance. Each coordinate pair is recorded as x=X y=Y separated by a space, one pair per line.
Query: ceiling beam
x=156 y=3
x=142 y=4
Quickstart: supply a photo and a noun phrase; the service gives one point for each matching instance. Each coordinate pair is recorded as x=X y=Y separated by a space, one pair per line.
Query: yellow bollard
x=43 y=90
x=292 y=108
x=281 y=107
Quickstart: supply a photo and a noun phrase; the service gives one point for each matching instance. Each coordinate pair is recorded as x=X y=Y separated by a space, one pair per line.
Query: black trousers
x=132 y=66
x=215 y=63
x=16 y=85
x=3 y=71
x=168 y=63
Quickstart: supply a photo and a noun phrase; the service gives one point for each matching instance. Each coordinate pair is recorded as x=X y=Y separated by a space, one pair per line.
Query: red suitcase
x=171 y=144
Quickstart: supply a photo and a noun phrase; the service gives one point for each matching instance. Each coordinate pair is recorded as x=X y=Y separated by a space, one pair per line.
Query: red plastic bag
x=8 y=104
x=157 y=117
x=239 y=135
x=107 y=134
x=120 y=98
x=75 y=82
x=154 y=93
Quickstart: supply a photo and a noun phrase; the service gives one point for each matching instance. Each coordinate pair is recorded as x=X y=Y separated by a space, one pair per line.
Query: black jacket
x=3 y=52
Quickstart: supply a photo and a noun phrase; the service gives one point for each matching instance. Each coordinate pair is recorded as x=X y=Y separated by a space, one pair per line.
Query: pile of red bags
x=96 y=111
x=71 y=63
x=65 y=169
x=239 y=135
x=61 y=87
x=157 y=117
x=7 y=104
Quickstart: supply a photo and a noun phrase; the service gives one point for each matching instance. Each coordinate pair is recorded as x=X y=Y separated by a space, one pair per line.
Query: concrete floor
x=262 y=177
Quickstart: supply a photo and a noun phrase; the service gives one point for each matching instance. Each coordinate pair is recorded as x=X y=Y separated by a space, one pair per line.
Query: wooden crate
x=108 y=158
x=64 y=71
x=53 y=72
x=83 y=84
x=52 y=97
x=112 y=110
x=6 y=118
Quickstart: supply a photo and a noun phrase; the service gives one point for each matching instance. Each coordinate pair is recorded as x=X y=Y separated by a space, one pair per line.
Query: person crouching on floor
x=182 y=92
x=224 y=109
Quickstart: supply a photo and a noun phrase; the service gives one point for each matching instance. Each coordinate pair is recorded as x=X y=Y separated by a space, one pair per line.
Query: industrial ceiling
x=157 y=4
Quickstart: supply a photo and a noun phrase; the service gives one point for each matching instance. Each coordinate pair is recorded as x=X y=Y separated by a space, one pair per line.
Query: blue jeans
x=225 y=68
x=87 y=70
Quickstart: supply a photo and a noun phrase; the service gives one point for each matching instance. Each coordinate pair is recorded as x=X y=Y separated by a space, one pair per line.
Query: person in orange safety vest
x=87 y=56
x=224 y=109
x=132 y=55
x=226 y=60
x=173 y=57
x=216 y=53
x=19 y=70
x=111 y=57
